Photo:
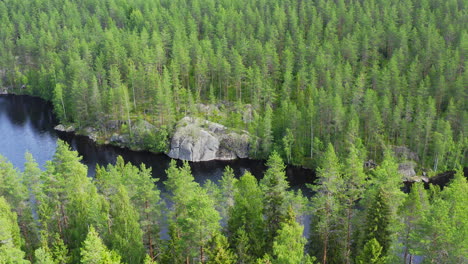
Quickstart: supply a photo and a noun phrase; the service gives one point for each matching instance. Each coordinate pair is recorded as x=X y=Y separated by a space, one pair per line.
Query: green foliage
x=157 y=141
x=245 y=223
x=125 y=236
x=316 y=69
x=123 y=206
x=94 y=251
x=444 y=228
x=42 y=256
x=219 y=252
x=378 y=223
x=69 y=202
x=274 y=186
x=371 y=254
x=288 y=246
x=143 y=194
x=10 y=239
x=326 y=229
x=193 y=218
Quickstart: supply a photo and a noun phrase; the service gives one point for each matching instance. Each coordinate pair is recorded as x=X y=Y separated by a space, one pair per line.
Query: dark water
x=26 y=124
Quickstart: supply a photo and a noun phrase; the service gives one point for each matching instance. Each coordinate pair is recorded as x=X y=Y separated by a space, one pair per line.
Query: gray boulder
x=407 y=170
x=200 y=140
x=91 y=133
x=120 y=140
x=403 y=152
x=62 y=128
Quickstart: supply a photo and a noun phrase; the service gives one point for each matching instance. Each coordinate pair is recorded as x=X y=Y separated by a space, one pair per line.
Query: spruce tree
x=377 y=224
x=125 y=236
x=94 y=251
x=325 y=229
x=246 y=225
x=274 y=186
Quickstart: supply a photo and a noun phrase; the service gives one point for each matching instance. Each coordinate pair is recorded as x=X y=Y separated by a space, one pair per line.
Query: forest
x=323 y=84
x=60 y=215
x=297 y=75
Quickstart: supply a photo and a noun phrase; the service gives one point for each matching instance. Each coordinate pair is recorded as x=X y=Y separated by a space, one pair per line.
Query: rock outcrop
x=119 y=140
x=407 y=169
x=403 y=152
x=91 y=133
x=200 y=140
x=140 y=129
x=62 y=128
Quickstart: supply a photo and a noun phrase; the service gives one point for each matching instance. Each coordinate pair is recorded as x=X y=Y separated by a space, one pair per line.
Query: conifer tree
x=125 y=236
x=325 y=205
x=274 y=186
x=218 y=251
x=372 y=253
x=193 y=219
x=94 y=251
x=288 y=246
x=377 y=224
x=413 y=211
x=245 y=223
x=10 y=238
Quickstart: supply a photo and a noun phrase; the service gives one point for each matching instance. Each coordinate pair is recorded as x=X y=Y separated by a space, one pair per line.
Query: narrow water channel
x=27 y=124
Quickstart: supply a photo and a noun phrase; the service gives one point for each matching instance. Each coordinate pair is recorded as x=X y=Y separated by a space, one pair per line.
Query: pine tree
x=288 y=245
x=125 y=236
x=444 y=233
x=94 y=251
x=193 y=218
x=10 y=238
x=353 y=188
x=412 y=212
x=274 y=186
x=245 y=223
x=266 y=132
x=70 y=202
x=371 y=254
x=42 y=256
x=377 y=224
x=326 y=207
x=227 y=192
x=218 y=251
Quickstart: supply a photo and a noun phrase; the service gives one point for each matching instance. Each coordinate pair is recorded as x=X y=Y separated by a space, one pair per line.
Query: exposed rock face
x=62 y=128
x=407 y=169
x=200 y=140
x=91 y=133
x=405 y=153
x=120 y=140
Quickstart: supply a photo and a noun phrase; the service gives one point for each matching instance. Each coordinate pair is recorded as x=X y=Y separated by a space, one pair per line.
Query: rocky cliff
x=200 y=140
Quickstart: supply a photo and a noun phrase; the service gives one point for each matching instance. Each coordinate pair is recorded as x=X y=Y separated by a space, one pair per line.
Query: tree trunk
x=348 y=236
x=202 y=255
x=150 y=242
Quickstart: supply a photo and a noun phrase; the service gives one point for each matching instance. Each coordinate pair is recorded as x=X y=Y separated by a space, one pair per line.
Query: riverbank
x=114 y=137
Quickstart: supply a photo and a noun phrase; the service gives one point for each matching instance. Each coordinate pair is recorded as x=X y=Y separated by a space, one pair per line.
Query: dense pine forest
x=296 y=74
x=60 y=215
x=325 y=84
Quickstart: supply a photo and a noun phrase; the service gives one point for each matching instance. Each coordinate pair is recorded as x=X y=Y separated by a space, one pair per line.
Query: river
x=27 y=124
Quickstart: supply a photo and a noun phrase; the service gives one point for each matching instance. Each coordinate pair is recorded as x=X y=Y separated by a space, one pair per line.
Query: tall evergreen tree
x=94 y=251
x=274 y=186
x=245 y=223
x=325 y=229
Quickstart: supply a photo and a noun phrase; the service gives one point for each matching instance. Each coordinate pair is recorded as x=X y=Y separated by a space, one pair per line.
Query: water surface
x=27 y=124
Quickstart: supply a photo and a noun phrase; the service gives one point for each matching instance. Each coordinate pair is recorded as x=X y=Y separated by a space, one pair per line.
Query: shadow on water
x=202 y=171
